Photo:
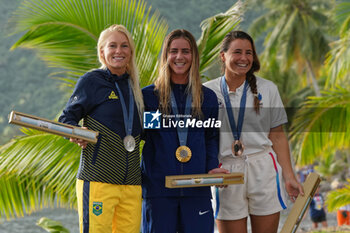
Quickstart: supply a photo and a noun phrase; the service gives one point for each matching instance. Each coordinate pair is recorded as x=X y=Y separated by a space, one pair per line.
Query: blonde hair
x=131 y=68
x=163 y=84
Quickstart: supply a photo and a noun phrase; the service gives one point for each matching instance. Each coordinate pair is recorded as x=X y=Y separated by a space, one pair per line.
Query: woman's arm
x=76 y=108
x=281 y=147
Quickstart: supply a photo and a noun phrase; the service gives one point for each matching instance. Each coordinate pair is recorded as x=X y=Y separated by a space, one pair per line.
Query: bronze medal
x=183 y=154
x=237 y=148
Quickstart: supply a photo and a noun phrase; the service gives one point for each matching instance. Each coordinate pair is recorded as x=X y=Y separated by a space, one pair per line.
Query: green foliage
x=214 y=30
x=47 y=30
x=338 y=198
x=342 y=16
x=24 y=82
x=330 y=165
x=297 y=33
x=320 y=129
x=337 y=61
x=288 y=86
x=328 y=231
x=51 y=226
x=43 y=169
x=321 y=125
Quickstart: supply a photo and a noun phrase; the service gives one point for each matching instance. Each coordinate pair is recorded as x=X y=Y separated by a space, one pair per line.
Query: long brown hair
x=163 y=84
x=231 y=36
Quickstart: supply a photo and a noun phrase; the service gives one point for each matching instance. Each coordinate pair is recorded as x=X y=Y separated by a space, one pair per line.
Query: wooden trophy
x=53 y=127
x=197 y=180
x=301 y=204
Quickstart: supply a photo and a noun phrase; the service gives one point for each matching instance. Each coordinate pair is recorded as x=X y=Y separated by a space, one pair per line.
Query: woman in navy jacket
x=179 y=95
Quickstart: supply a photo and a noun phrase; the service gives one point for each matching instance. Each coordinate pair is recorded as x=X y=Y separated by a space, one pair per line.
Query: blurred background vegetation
x=24 y=79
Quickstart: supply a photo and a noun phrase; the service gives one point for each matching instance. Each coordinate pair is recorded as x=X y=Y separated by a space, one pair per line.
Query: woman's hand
x=293 y=188
x=219 y=170
x=82 y=143
x=281 y=147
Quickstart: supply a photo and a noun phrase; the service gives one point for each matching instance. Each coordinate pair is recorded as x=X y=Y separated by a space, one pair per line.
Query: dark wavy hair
x=231 y=36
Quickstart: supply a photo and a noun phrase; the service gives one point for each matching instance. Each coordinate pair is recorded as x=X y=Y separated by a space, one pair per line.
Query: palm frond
x=37 y=169
x=148 y=44
x=214 y=30
x=330 y=166
x=342 y=16
x=21 y=195
x=321 y=125
x=338 y=198
x=51 y=225
x=263 y=23
x=290 y=88
x=338 y=63
x=296 y=35
x=271 y=41
x=65 y=32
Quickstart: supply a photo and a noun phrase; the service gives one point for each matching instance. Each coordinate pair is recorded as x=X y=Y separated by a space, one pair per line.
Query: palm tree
x=326 y=119
x=296 y=33
x=338 y=64
x=38 y=169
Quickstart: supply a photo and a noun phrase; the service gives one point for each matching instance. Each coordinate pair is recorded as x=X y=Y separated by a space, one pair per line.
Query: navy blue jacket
x=158 y=155
x=96 y=100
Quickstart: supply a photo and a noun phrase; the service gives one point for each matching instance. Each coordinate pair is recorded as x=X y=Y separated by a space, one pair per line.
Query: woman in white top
x=252 y=141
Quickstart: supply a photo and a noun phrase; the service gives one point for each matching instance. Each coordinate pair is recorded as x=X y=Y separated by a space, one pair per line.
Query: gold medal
x=183 y=154
x=237 y=148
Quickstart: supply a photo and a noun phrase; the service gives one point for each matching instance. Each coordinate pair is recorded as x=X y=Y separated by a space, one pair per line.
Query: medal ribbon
x=128 y=117
x=236 y=130
x=181 y=132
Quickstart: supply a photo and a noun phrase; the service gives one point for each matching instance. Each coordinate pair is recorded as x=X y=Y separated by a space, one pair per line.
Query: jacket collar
x=113 y=77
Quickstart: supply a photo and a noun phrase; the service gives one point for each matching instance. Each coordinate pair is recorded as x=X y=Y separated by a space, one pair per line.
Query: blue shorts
x=319 y=218
x=177 y=214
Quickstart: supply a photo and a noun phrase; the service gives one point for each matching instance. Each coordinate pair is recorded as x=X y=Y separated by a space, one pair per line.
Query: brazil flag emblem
x=97 y=208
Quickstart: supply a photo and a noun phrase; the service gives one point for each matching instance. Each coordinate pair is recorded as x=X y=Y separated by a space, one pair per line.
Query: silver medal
x=129 y=143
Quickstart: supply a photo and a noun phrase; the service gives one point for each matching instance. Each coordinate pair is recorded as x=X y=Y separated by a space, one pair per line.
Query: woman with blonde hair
x=169 y=150
x=109 y=100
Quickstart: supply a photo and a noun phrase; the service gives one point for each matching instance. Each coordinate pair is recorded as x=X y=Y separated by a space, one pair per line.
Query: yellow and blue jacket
x=95 y=99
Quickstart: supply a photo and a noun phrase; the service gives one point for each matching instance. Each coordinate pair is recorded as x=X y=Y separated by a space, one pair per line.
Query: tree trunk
x=313 y=78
